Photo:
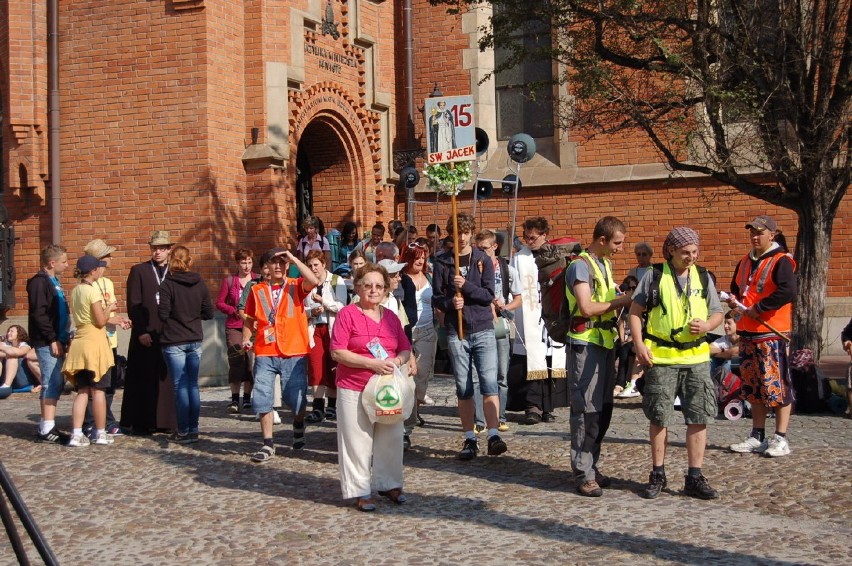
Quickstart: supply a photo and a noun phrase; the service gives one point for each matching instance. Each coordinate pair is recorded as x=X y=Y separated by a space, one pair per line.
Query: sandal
x=264 y=454
x=395 y=495
x=314 y=417
x=365 y=504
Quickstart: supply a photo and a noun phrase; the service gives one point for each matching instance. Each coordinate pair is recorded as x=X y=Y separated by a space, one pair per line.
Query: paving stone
x=144 y=500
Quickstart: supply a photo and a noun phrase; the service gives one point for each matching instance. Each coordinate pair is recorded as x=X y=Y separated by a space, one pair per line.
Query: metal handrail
x=36 y=536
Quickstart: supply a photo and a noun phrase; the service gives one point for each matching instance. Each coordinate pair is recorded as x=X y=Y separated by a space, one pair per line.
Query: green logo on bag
x=387 y=397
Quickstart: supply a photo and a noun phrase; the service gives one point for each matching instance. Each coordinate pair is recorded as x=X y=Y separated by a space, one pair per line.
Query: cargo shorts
x=692 y=384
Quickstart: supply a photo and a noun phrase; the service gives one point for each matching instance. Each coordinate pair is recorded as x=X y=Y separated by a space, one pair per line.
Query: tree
x=756 y=94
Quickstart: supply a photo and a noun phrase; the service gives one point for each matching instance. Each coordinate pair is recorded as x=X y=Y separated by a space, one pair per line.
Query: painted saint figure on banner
x=442 y=129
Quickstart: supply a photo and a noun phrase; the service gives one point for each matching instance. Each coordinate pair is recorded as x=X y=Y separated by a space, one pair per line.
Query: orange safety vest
x=287 y=336
x=757 y=285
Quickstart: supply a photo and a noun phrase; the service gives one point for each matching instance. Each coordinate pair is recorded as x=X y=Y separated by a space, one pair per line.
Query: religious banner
x=451 y=129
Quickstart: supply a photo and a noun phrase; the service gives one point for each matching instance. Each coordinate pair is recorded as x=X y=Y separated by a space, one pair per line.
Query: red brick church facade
x=158 y=100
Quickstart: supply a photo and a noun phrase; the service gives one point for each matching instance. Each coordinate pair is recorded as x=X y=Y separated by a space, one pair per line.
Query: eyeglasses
x=532 y=237
x=373 y=286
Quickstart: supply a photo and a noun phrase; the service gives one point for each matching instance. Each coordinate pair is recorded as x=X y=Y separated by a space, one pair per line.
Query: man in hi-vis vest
x=682 y=306
x=593 y=301
x=765 y=282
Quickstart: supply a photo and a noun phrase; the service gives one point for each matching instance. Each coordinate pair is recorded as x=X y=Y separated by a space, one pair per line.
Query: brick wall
x=718 y=214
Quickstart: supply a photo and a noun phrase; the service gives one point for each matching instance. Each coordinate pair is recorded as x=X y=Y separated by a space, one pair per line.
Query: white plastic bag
x=388 y=398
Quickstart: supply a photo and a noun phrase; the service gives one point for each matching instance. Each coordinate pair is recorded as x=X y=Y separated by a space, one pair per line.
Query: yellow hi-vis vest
x=600 y=330
x=667 y=331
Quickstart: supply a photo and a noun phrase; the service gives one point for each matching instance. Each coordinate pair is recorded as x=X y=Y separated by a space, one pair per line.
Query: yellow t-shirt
x=83 y=297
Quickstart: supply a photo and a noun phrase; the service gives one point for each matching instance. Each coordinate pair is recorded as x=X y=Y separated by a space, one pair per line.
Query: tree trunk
x=813 y=249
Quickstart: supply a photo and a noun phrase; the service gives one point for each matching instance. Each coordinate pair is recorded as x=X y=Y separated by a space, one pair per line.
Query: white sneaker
x=428 y=400
x=750 y=445
x=79 y=440
x=777 y=447
x=628 y=392
x=276 y=418
x=103 y=439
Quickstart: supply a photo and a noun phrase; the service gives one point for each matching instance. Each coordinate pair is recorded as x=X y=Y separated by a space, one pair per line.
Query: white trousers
x=360 y=443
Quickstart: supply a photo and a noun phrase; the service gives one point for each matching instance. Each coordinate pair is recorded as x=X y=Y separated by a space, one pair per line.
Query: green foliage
x=448 y=178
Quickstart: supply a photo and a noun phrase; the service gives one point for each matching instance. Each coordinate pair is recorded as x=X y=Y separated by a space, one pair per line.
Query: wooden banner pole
x=456 y=256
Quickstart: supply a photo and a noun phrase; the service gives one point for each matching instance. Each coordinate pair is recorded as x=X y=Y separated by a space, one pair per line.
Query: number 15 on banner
x=450 y=129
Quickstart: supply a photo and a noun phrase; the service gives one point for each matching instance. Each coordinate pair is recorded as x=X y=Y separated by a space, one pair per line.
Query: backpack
x=653 y=299
x=811 y=390
x=728 y=385
x=551 y=261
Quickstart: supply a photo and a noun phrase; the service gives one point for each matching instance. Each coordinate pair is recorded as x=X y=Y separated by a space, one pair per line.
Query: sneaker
x=314 y=417
x=656 y=484
x=330 y=414
x=478 y=429
x=699 y=487
x=193 y=437
x=179 y=438
x=590 y=489
x=428 y=400
x=102 y=439
x=114 y=429
x=90 y=432
x=628 y=391
x=247 y=405
x=233 y=407
x=79 y=440
x=53 y=435
x=776 y=447
x=503 y=427
x=496 y=445
x=749 y=445
x=276 y=418
x=469 y=450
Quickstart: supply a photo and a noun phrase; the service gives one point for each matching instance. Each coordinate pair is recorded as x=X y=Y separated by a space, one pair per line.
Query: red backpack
x=551 y=262
x=729 y=388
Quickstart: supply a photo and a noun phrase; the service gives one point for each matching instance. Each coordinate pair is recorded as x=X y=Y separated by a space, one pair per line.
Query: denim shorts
x=479 y=351
x=293 y=373
x=692 y=384
x=52 y=382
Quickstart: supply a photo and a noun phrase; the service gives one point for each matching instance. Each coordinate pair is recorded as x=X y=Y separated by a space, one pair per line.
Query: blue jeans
x=504 y=352
x=183 y=361
x=51 y=373
x=477 y=351
x=294 y=383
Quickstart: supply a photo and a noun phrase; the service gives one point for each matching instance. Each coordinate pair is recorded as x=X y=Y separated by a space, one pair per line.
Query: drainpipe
x=409 y=92
x=53 y=118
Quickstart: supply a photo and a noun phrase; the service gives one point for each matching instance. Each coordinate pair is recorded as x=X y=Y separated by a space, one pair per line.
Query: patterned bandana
x=678 y=238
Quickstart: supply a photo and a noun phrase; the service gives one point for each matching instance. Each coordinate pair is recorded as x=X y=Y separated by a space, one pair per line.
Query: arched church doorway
x=326 y=177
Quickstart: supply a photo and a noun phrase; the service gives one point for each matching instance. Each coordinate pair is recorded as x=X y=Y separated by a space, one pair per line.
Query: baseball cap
x=763 y=222
x=391 y=266
x=89 y=263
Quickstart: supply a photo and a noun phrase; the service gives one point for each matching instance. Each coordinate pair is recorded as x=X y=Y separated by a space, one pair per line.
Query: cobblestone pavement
x=145 y=501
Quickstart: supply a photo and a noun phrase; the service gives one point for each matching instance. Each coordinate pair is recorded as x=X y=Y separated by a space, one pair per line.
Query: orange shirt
x=282 y=325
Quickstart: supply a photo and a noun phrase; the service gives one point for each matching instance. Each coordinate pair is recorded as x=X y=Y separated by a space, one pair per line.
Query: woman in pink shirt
x=239 y=364
x=367 y=339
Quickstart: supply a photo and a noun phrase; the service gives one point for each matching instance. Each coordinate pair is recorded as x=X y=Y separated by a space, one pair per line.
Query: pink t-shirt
x=353 y=330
